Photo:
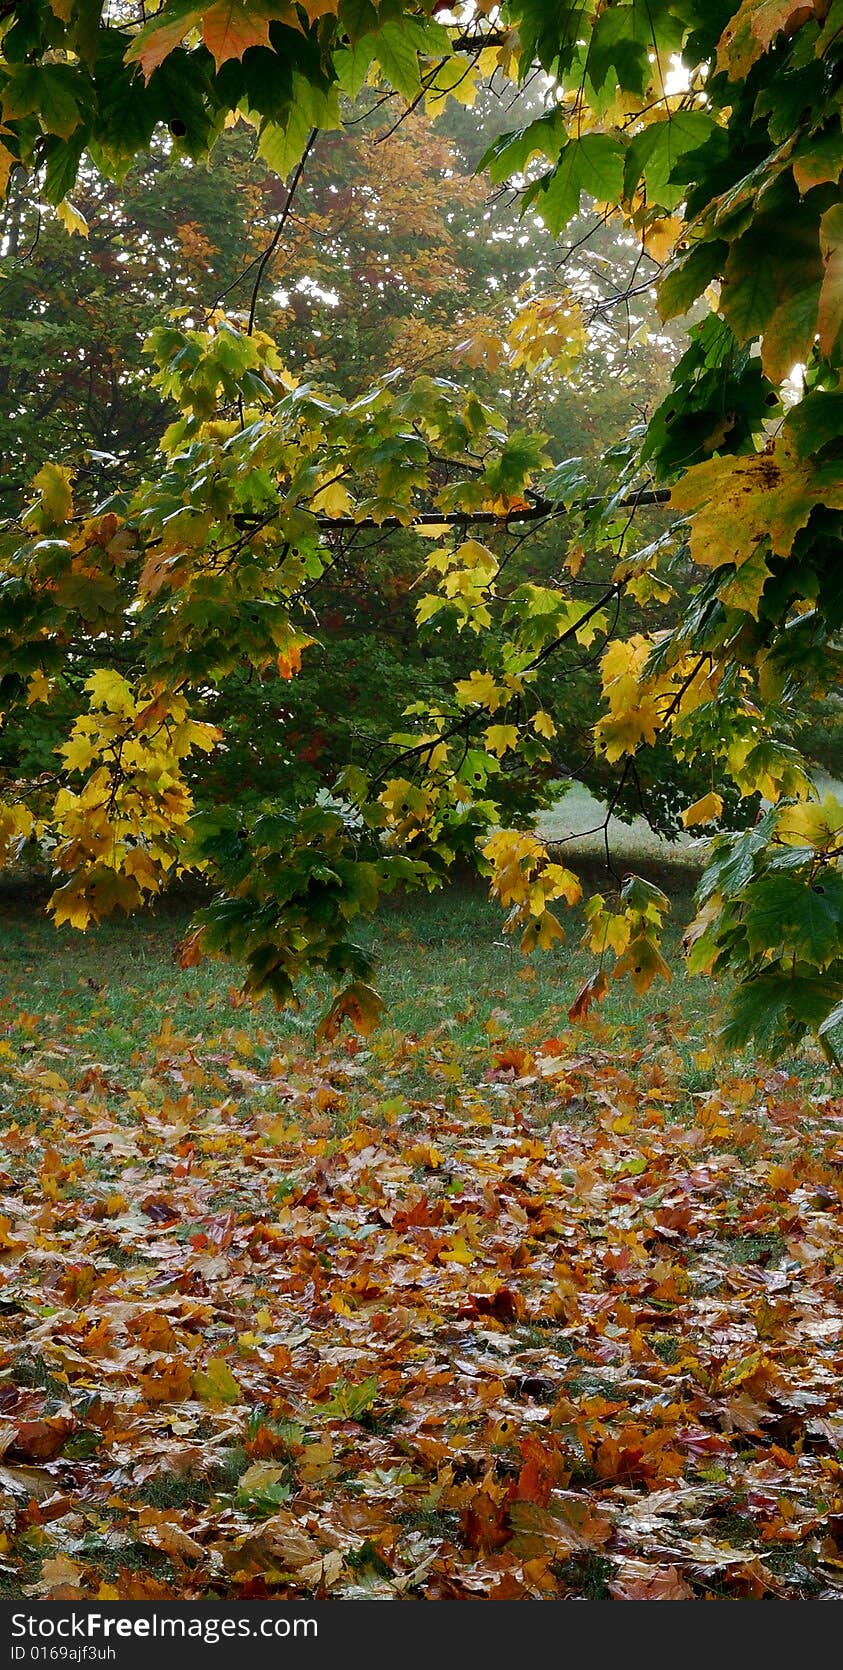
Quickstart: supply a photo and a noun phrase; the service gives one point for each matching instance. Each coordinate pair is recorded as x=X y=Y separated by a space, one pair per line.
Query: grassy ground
x=444 y=962
x=444 y=966
x=482 y=1305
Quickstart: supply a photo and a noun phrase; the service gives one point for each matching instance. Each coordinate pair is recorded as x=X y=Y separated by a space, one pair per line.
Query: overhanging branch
x=541 y=510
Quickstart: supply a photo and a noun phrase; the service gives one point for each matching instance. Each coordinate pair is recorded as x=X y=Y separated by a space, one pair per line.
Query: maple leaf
x=41 y=1440
x=753 y=28
x=158 y=39
x=169 y=1381
x=592 y=991
x=216 y=1383
x=706 y=810
x=57 y=1572
x=483 y=346
x=189 y=951
x=231 y=27
x=736 y=503
x=500 y=738
x=39 y=689
x=661 y=236
x=73 y=222
x=543 y=724
x=359 y=1004
x=547 y=334
x=642 y=960
x=557 y=882
x=55 y=506
x=816 y=823
x=483 y=688
x=638 y=1580
x=830 y=312
x=544 y=931
x=110 y=690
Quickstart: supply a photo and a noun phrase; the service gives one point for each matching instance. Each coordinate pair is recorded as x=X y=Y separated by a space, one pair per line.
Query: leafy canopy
x=714 y=132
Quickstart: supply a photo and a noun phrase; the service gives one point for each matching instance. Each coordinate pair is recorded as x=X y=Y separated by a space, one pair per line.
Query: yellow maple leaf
x=16 y=826
x=736 y=502
x=71 y=220
x=514 y=856
x=544 y=931
x=543 y=724
x=143 y=868
x=705 y=810
x=332 y=500
x=79 y=752
x=811 y=823
x=560 y=883
x=195 y=733
x=55 y=504
x=500 y=738
x=642 y=961
x=459 y=1252
x=69 y=904
x=622 y=732
x=477 y=558
x=110 y=690
x=38 y=689
x=216 y=1383
x=456 y=78
x=482 y=688
x=661 y=235
x=547 y=334
x=608 y=930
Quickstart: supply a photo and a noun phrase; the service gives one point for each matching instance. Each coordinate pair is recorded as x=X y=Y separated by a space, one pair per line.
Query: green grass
x=446 y=969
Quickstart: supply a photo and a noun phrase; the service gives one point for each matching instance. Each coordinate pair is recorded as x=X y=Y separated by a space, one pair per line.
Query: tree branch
x=282 y=221
x=492 y=518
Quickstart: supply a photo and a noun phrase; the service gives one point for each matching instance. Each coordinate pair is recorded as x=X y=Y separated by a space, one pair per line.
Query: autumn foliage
x=728 y=175
x=530 y=1318
x=330 y=1306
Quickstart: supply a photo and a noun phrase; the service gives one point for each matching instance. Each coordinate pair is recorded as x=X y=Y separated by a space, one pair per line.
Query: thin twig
x=282 y=221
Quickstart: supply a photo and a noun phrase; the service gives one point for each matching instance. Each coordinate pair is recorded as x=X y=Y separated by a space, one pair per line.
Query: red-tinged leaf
x=534 y=1484
x=161 y=1210
x=168 y=1381
x=700 y=1442
x=484 y=1523
x=188 y=952
x=230 y=27
x=593 y=991
x=154 y=1331
x=41 y=1440
x=156 y=41
x=502 y=1303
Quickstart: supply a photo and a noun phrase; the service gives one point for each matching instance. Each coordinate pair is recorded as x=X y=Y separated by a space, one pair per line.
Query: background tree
x=394 y=258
